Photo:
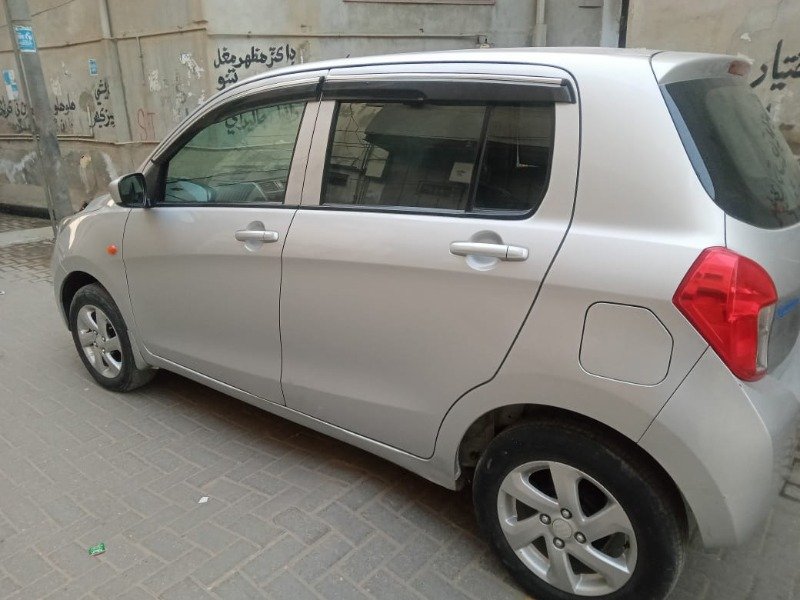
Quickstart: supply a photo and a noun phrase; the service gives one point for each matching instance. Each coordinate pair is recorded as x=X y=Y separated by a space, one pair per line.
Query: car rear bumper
x=728 y=445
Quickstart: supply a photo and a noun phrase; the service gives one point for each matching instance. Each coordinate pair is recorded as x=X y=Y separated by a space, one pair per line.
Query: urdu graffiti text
x=102 y=116
x=276 y=55
x=244 y=121
x=64 y=107
x=777 y=73
x=16 y=112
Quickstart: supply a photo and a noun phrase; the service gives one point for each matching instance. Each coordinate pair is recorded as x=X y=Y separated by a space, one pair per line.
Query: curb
x=24 y=211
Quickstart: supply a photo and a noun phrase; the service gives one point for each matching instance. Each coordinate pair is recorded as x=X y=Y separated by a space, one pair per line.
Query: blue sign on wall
x=25 y=40
x=12 y=91
x=92 y=66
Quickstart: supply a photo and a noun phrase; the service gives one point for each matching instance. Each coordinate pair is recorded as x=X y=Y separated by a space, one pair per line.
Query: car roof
x=564 y=57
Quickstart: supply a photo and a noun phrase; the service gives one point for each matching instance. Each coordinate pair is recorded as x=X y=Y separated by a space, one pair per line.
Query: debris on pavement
x=97 y=549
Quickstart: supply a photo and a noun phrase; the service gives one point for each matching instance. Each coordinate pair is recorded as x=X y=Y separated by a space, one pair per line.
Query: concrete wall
x=156 y=61
x=766 y=31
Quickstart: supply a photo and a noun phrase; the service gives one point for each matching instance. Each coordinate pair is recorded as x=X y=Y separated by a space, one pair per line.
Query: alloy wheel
x=567 y=528
x=99 y=341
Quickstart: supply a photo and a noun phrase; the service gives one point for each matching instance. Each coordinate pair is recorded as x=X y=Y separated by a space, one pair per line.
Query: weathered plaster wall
x=156 y=61
x=766 y=31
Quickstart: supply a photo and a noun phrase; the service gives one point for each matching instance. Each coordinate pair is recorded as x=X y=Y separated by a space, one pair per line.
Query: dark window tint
x=516 y=158
x=439 y=157
x=242 y=159
x=740 y=156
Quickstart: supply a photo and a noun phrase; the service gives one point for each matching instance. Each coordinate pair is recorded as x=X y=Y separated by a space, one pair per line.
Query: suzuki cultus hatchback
x=571 y=278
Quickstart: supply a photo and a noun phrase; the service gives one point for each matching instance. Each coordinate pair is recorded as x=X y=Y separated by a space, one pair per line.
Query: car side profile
x=569 y=277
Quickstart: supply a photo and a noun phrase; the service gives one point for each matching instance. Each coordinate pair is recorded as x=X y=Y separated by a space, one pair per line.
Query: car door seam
x=283 y=247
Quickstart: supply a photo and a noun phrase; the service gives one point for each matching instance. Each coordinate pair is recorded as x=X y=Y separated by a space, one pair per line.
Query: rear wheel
x=101 y=338
x=573 y=515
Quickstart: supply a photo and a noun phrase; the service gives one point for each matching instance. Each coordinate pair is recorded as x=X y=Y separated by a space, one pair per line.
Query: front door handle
x=499 y=251
x=256 y=235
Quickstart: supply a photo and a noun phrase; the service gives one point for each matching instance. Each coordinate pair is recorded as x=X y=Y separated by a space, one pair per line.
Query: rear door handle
x=256 y=235
x=499 y=251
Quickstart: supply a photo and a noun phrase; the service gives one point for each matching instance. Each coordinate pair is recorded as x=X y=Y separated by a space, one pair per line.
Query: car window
x=466 y=158
x=739 y=154
x=242 y=159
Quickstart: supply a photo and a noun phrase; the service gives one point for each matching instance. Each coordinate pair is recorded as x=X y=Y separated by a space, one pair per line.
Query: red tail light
x=730 y=300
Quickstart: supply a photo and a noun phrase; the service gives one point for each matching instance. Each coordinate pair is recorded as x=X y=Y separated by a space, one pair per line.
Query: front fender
x=82 y=247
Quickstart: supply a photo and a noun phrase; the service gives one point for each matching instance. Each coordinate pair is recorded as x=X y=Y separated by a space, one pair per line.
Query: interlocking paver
x=322 y=556
x=186 y=590
x=368 y=557
x=291 y=513
x=237 y=587
x=385 y=586
x=288 y=586
x=305 y=527
x=225 y=562
x=274 y=558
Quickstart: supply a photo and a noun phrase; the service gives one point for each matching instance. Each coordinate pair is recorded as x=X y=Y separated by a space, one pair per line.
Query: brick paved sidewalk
x=291 y=514
x=15 y=223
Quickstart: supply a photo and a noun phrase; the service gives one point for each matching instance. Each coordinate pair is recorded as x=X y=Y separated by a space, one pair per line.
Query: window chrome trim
x=480 y=87
x=223 y=105
x=411 y=76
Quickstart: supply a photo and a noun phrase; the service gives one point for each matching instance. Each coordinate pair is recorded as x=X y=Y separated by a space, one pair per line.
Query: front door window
x=243 y=159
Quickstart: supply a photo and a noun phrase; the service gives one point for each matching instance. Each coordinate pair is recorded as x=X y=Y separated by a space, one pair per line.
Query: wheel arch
x=488 y=425
x=70 y=286
x=80 y=277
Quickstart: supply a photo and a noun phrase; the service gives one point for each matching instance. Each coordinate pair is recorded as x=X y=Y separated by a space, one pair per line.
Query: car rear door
x=433 y=206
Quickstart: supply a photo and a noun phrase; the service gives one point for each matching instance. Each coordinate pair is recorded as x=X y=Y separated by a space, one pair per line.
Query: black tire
x=651 y=503
x=129 y=377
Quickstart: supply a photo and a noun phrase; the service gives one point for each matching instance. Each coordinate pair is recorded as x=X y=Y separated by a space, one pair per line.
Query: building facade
x=121 y=74
x=764 y=31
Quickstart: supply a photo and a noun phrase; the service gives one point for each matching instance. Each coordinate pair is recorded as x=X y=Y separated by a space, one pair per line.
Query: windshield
x=741 y=158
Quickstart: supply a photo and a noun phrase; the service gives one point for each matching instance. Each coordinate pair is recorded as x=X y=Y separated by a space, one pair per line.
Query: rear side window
x=439 y=157
x=741 y=158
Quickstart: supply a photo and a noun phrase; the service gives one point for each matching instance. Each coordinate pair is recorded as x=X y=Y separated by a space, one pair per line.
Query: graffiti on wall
x=234 y=64
x=245 y=121
x=102 y=116
x=62 y=111
x=783 y=67
x=15 y=113
x=145 y=120
x=64 y=107
x=248 y=121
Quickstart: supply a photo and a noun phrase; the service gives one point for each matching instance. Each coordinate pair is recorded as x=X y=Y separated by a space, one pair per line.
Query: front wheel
x=101 y=339
x=574 y=513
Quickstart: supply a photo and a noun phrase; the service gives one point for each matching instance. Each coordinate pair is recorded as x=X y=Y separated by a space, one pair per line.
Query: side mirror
x=129 y=190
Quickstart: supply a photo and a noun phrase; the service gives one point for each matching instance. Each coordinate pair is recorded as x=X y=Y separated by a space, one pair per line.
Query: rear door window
x=739 y=154
x=464 y=158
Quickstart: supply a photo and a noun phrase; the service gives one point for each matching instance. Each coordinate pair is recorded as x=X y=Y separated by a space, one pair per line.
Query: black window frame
x=469 y=212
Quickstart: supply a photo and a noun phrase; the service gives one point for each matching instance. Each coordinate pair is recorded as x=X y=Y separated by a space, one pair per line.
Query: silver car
x=569 y=278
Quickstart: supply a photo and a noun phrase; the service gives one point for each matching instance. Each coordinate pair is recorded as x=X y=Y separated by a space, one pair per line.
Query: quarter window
x=243 y=159
x=435 y=157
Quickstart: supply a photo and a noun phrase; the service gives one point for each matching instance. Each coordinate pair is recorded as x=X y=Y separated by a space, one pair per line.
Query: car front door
x=204 y=263
x=432 y=209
